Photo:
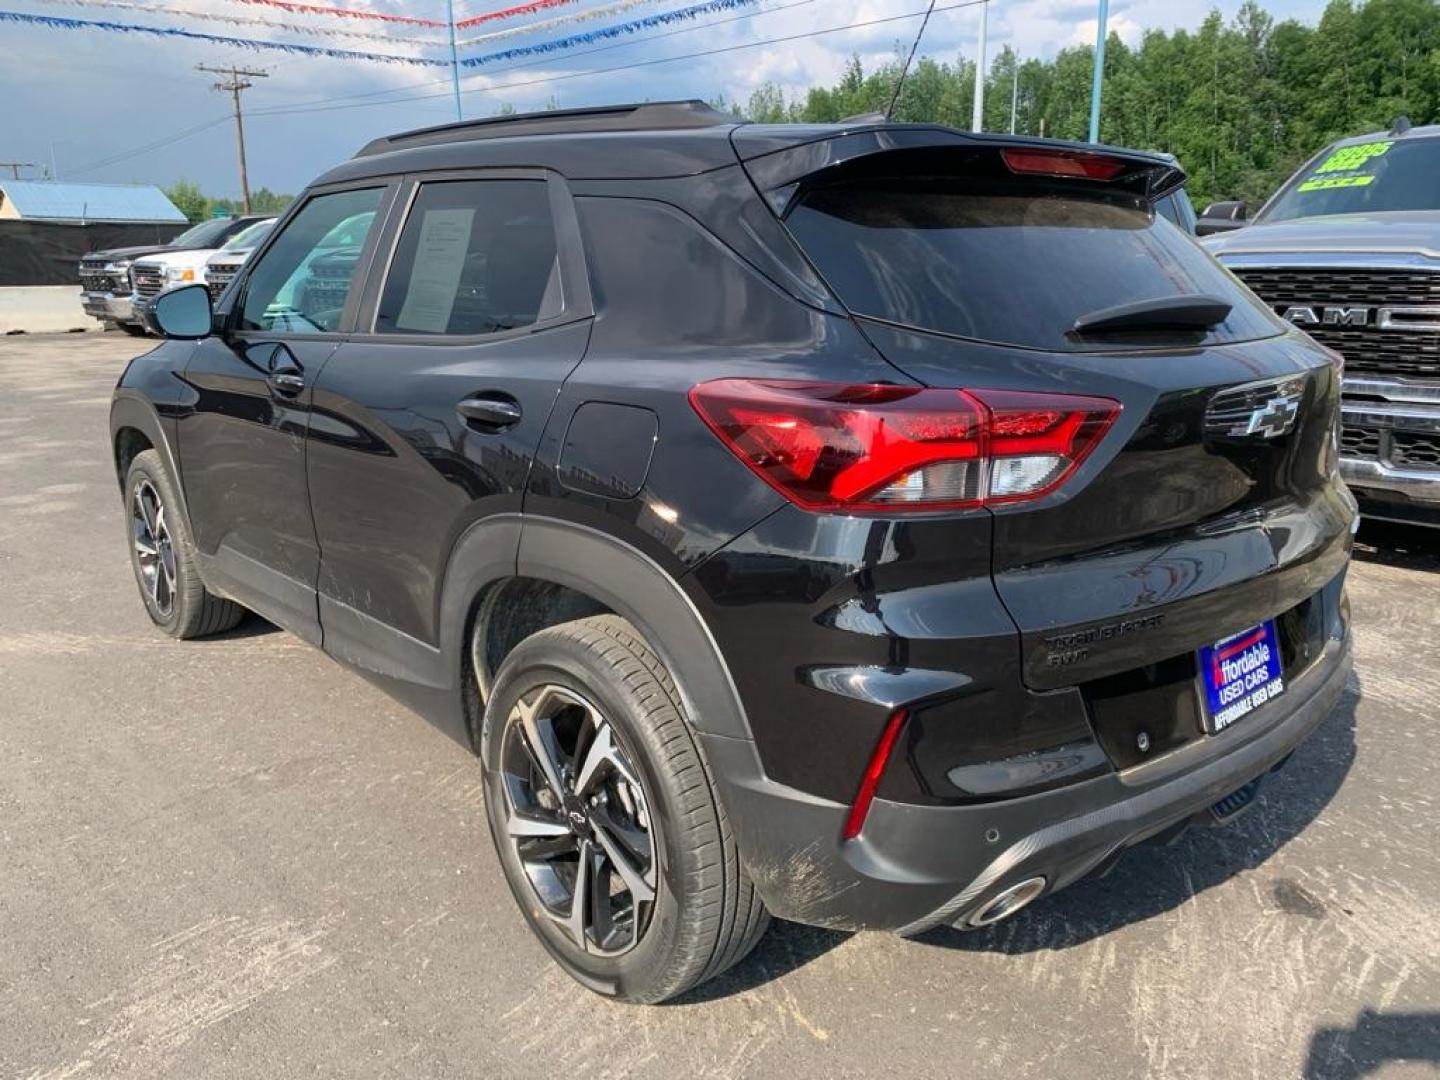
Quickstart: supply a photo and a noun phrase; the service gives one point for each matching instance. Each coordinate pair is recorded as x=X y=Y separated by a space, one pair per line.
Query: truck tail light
x=878 y=447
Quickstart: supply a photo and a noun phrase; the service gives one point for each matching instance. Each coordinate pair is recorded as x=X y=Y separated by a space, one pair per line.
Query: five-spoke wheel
x=578 y=818
x=609 y=830
x=154 y=549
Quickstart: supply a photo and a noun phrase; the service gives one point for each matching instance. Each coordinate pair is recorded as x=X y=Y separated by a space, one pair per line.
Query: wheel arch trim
x=618 y=575
x=130 y=410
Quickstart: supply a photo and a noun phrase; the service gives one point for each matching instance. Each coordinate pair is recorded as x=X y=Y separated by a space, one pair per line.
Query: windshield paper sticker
x=1351 y=160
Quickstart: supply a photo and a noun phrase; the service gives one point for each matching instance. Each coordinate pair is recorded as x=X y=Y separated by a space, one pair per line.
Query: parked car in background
x=107 y=285
x=1349 y=250
x=876 y=525
x=222 y=267
x=154 y=274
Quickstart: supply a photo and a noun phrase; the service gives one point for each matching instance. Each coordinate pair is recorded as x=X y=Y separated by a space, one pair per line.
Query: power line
x=16 y=166
x=236 y=80
x=156 y=145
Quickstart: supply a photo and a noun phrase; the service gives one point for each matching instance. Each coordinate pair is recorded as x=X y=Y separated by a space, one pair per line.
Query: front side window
x=475 y=257
x=302 y=283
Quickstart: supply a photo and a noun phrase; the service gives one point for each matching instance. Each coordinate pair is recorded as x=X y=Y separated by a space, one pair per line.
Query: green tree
x=189 y=200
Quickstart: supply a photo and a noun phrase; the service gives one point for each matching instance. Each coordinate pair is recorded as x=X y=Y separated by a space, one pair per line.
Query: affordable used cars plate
x=1240 y=673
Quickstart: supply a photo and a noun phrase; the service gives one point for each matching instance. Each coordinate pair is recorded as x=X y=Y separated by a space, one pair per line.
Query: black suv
x=871 y=524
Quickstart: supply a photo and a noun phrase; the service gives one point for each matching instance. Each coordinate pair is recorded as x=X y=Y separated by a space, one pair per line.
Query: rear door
x=242 y=441
x=426 y=420
x=1212 y=502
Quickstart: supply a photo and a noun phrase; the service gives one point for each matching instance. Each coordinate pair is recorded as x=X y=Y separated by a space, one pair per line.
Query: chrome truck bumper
x=1390 y=445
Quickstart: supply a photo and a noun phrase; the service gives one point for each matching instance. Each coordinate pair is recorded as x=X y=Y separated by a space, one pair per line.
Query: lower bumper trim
x=1068 y=850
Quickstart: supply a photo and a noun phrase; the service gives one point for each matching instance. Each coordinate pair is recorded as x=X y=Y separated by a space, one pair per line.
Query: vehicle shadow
x=1149 y=880
x=1405 y=547
x=1375 y=1040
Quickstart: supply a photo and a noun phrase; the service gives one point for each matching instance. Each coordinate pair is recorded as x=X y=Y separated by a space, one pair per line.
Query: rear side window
x=475 y=257
x=1014 y=264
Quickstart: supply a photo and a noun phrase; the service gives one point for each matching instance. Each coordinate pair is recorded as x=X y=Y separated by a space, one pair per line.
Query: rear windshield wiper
x=1198 y=312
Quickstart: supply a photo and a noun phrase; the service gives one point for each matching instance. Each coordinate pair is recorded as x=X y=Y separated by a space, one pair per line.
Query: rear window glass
x=1006 y=266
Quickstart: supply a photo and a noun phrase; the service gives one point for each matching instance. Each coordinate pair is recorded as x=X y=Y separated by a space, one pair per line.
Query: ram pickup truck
x=107 y=282
x=1349 y=250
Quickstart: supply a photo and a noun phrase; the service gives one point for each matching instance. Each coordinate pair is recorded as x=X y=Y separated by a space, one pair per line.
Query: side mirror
x=182 y=313
x=1222 y=217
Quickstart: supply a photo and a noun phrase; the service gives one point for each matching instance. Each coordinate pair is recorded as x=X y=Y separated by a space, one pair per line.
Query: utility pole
x=237 y=79
x=977 y=119
x=1014 y=93
x=16 y=166
x=454 y=58
x=1098 y=81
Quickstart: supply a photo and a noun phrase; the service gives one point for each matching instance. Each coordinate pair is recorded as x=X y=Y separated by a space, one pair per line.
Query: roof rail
x=644 y=116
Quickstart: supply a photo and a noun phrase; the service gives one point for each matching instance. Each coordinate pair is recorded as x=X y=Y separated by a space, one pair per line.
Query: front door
x=242 y=442
x=427 y=418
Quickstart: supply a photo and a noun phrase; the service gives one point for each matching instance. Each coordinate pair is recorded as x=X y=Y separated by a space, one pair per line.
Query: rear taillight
x=877 y=447
x=1078 y=163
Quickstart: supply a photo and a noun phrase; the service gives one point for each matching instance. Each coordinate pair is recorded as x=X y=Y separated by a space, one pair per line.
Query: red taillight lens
x=1078 y=163
x=860 y=808
x=830 y=446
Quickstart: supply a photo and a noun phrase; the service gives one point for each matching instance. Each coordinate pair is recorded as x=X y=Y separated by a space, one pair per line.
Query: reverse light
x=874 y=769
x=878 y=447
x=1077 y=163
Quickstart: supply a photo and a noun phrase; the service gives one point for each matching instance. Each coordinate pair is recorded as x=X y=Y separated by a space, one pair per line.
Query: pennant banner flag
x=311 y=29
x=346 y=13
x=58 y=23
x=533 y=7
x=587 y=15
x=662 y=18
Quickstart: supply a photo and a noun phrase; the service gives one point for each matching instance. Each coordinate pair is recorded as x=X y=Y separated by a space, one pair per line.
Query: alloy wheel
x=154 y=548
x=578 y=820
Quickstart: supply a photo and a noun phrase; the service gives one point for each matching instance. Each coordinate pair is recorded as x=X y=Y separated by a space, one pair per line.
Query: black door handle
x=490 y=412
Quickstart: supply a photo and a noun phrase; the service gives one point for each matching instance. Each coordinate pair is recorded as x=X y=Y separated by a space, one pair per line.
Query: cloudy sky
x=130 y=107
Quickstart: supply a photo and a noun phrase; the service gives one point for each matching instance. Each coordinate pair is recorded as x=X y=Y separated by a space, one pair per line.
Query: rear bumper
x=109 y=307
x=916 y=867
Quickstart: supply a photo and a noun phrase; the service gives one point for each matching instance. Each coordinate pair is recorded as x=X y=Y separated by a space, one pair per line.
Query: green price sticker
x=1349 y=158
x=1330 y=182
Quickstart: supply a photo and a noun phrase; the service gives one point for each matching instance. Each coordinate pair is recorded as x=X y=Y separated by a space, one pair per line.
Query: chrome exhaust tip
x=1007 y=903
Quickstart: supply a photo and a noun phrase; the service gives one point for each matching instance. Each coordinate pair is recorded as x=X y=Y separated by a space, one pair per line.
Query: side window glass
x=301 y=284
x=475 y=257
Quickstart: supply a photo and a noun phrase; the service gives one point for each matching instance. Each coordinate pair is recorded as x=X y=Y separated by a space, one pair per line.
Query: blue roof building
x=55 y=200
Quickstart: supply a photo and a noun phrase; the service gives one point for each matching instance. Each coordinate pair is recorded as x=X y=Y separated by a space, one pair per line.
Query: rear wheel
x=605 y=818
x=163 y=556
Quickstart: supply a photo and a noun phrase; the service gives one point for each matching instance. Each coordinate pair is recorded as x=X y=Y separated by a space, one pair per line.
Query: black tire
x=133 y=329
x=705 y=915
x=174 y=596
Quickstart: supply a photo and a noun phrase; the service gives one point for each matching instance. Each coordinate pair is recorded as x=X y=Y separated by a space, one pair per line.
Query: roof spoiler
x=779 y=165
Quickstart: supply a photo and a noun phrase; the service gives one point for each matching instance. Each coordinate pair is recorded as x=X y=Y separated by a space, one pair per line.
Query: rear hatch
x=1211 y=504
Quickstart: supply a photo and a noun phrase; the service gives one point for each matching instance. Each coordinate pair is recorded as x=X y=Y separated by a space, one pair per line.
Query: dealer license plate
x=1240 y=673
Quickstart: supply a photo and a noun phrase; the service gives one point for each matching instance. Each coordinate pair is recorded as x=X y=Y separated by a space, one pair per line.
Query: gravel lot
x=235 y=858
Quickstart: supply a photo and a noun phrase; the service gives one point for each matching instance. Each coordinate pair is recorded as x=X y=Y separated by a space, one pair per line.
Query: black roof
x=649 y=140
